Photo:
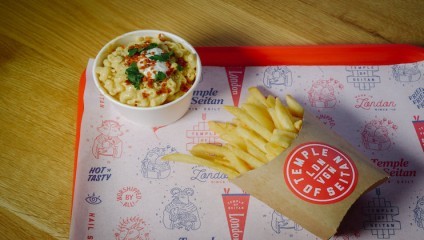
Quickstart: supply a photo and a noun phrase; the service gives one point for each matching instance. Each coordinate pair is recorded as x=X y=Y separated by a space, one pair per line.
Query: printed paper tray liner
x=299 y=55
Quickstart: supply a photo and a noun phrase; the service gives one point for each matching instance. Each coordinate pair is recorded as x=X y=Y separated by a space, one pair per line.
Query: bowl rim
x=153 y=33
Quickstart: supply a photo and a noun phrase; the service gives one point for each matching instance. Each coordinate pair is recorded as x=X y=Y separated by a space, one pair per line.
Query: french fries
x=294 y=107
x=263 y=127
x=249 y=121
x=260 y=114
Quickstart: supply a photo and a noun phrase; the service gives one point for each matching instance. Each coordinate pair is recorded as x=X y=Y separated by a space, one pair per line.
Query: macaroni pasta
x=148 y=72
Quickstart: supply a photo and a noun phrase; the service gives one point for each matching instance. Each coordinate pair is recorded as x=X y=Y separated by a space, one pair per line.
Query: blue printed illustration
x=380 y=214
x=417 y=98
x=93 y=199
x=108 y=142
x=419 y=213
x=406 y=72
x=279 y=75
x=363 y=77
x=153 y=167
x=280 y=222
x=181 y=212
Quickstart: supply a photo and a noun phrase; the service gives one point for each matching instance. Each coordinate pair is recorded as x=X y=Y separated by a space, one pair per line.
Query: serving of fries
x=263 y=127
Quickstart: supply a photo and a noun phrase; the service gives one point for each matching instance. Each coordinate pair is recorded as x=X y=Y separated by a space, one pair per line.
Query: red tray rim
x=365 y=54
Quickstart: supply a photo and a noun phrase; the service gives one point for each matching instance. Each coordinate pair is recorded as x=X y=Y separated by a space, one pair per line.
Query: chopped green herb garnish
x=160 y=76
x=161 y=58
x=134 y=75
x=180 y=68
x=151 y=45
x=133 y=51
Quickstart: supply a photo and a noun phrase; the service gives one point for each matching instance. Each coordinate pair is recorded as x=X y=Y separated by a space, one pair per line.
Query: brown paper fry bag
x=315 y=181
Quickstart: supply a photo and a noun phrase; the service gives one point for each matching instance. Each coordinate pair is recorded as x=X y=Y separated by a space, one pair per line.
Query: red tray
x=371 y=54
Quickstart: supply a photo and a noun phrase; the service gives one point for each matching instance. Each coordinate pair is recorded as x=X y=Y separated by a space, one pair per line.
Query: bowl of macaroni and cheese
x=148 y=75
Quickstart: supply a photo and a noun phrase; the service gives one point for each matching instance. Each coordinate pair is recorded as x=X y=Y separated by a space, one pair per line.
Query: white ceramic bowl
x=148 y=116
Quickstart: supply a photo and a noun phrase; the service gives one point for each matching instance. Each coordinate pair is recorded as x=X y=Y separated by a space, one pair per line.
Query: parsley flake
x=151 y=45
x=133 y=51
x=162 y=58
x=180 y=68
x=160 y=76
x=134 y=75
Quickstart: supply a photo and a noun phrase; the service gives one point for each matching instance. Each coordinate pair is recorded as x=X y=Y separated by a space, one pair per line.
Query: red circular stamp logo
x=128 y=196
x=319 y=173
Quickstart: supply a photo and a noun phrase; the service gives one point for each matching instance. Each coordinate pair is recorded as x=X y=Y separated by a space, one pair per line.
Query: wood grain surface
x=45 y=46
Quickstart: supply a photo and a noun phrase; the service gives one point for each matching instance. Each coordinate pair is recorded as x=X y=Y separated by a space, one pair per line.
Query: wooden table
x=45 y=46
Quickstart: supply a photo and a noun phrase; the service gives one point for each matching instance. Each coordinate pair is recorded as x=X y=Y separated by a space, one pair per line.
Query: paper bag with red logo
x=315 y=181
